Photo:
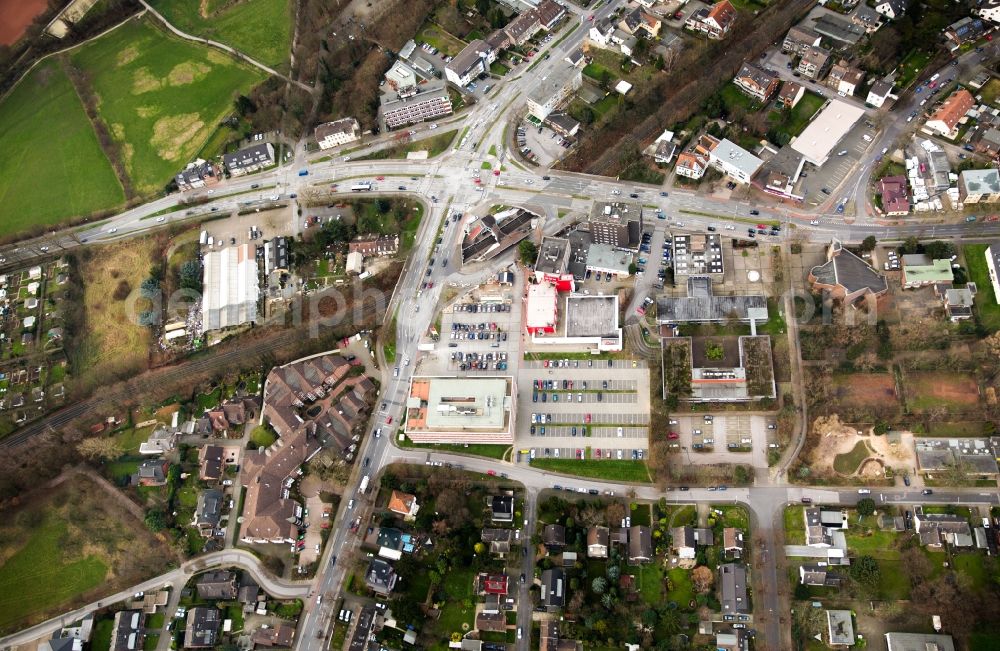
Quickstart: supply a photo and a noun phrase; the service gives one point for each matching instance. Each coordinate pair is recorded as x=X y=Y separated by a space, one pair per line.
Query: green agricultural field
x=161 y=97
x=261 y=29
x=45 y=179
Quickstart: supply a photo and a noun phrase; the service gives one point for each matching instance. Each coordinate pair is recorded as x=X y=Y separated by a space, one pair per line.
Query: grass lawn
x=733 y=516
x=45 y=179
x=614 y=470
x=958 y=428
x=847 y=463
x=910 y=67
x=985 y=641
x=732 y=96
x=597 y=72
x=986 y=301
x=434 y=146
x=477 y=449
x=990 y=91
x=499 y=69
x=683 y=590
x=893 y=584
x=260 y=29
x=800 y=115
x=775 y=325
x=440 y=39
x=39 y=576
x=649 y=579
x=867 y=539
x=101 y=638
x=455 y=617
x=971 y=564
x=262 y=436
x=160 y=96
x=795 y=531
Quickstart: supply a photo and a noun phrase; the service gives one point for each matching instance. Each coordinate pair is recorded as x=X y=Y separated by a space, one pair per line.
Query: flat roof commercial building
x=697 y=255
x=616 y=223
x=604 y=258
x=701 y=305
x=827 y=129
x=587 y=321
x=231 y=288
x=919 y=271
x=552 y=264
x=734 y=161
x=541 y=309
x=460 y=410
x=427 y=105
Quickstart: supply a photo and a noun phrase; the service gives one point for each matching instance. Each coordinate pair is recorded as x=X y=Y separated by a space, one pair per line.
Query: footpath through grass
x=612 y=470
x=260 y=29
x=52 y=166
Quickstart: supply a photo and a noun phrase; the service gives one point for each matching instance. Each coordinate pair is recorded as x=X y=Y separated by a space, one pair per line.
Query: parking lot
x=540 y=145
x=481 y=336
x=566 y=407
x=723 y=438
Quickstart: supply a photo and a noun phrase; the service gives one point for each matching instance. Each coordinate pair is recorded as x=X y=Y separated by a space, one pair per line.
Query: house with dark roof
x=732 y=542
x=199 y=174
x=893 y=195
x=553 y=592
x=891 y=9
x=499 y=540
x=846 y=276
x=502 y=508
x=210 y=464
x=554 y=537
x=818 y=574
x=791 y=93
x=549 y=639
x=799 y=39
x=640 y=545
x=202 y=627
x=280 y=635
x=208 y=511
x=597 y=542
x=380 y=577
x=714 y=22
x=250 y=159
x=127 y=632
x=217 y=585
x=733 y=589
x=756 y=82
x=814 y=62
x=152 y=472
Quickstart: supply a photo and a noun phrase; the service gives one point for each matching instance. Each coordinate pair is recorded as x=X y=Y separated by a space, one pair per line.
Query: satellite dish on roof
x=753 y=276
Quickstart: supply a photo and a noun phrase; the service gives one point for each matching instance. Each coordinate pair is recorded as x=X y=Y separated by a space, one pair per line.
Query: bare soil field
x=868 y=389
x=940 y=389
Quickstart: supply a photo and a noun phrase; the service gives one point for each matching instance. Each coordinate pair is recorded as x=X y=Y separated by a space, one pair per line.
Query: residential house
x=958 y=303
x=637 y=21
x=818 y=574
x=821 y=524
x=380 y=577
x=993 y=265
x=683 y=542
x=499 y=540
x=549 y=639
x=732 y=542
x=549 y=14
x=210 y=464
x=403 y=504
x=814 y=63
x=640 y=545
x=846 y=276
x=554 y=537
x=270 y=514
x=733 y=589
x=281 y=635
x=935 y=529
x=502 y=508
x=523 y=27
x=576 y=58
x=208 y=512
x=339 y=132
x=601 y=31
x=374 y=245
x=691 y=164
x=990 y=10
x=199 y=174
x=844 y=78
x=663 y=148
x=250 y=159
x=474 y=59
x=891 y=9
x=840 y=628
x=160 y=441
x=920 y=271
x=791 y=93
x=965 y=30
x=880 y=91
x=893 y=195
x=986 y=141
x=756 y=82
x=553 y=593
x=152 y=472
x=736 y=640
x=867 y=18
x=218 y=585
x=597 y=542
x=918 y=642
x=715 y=22
x=202 y=626
x=127 y=631
x=492 y=584
x=979 y=186
x=562 y=124
x=799 y=39
x=946 y=119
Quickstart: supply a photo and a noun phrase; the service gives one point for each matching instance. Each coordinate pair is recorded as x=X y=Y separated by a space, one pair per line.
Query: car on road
x=160 y=219
x=927 y=491
x=379 y=178
x=491 y=473
x=113 y=229
x=755 y=213
x=814 y=223
x=388 y=420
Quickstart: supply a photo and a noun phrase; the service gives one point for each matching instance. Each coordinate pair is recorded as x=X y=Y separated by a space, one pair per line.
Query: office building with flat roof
x=460 y=410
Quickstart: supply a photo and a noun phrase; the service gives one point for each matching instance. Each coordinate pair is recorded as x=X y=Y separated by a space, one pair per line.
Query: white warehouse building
x=231 y=288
